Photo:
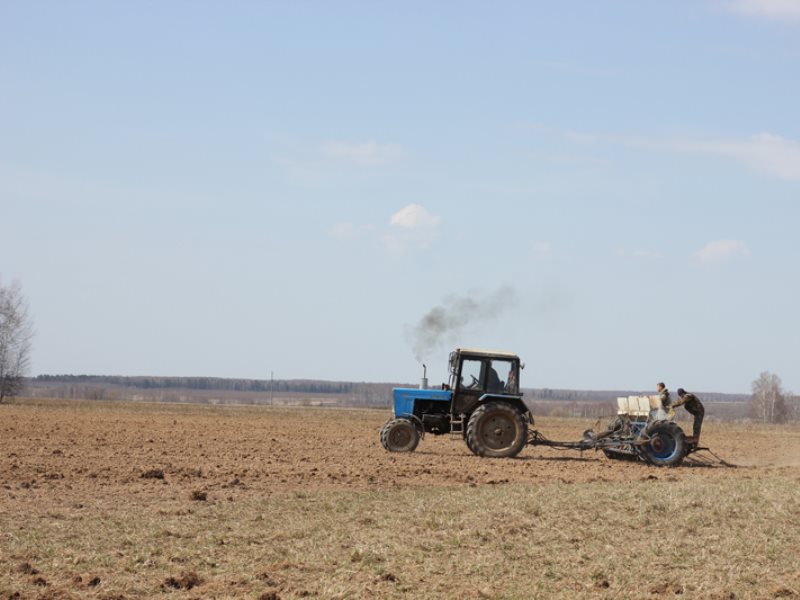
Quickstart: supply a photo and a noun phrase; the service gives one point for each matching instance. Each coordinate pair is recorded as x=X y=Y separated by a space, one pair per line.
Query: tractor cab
x=476 y=375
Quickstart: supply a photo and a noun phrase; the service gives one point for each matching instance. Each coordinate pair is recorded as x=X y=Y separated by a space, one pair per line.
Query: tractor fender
x=515 y=401
x=418 y=424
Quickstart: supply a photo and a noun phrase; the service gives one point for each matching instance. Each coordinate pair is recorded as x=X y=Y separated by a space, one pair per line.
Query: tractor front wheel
x=399 y=435
x=666 y=446
x=497 y=430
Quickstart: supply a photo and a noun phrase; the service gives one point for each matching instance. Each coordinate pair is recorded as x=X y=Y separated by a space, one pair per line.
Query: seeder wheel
x=666 y=446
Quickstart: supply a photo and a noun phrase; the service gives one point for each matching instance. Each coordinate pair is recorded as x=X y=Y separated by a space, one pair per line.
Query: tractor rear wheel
x=399 y=435
x=667 y=446
x=497 y=430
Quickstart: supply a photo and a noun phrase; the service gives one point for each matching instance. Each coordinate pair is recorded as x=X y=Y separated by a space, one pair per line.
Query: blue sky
x=188 y=188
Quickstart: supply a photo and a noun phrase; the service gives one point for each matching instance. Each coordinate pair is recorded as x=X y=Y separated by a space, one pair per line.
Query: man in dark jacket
x=663 y=394
x=695 y=408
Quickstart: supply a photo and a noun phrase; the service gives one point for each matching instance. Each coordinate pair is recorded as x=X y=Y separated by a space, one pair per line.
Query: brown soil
x=71 y=454
x=186 y=581
x=60 y=461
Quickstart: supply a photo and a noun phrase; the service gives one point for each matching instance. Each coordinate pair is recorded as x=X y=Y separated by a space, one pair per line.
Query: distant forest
x=303 y=386
x=309 y=392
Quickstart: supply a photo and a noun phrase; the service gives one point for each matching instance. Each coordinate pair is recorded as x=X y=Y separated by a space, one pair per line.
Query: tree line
x=303 y=386
x=768 y=403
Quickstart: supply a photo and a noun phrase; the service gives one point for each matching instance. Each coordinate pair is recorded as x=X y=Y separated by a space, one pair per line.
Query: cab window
x=494 y=376
x=509 y=373
x=471 y=374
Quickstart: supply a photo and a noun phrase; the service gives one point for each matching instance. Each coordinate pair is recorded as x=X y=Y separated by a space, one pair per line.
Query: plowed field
x=134 y=501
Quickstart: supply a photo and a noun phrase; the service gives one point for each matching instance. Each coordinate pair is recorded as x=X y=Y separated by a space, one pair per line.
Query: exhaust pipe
x=423 y=385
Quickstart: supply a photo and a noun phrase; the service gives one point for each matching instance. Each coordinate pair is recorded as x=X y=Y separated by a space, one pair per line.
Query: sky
x=239 y=189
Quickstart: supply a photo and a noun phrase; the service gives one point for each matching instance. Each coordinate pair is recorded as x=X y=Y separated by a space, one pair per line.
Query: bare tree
x=768 y=403
x=16 y=337
x=792 y=406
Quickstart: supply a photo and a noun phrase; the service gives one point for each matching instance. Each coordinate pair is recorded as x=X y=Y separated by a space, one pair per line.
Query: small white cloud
x=413 y=216
x=362 y=154
x=721 y=251
x=778 y=10
x=764 y=152
x=770 y=154
x=411 y=227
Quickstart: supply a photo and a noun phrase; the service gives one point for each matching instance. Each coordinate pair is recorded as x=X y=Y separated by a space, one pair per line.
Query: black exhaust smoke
x=442 y=324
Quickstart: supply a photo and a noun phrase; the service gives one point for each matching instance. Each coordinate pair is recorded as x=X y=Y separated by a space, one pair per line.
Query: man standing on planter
x=695 y=408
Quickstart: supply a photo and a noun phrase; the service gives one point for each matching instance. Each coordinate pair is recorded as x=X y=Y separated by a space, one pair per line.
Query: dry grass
x=586 y=528
x=737 y=538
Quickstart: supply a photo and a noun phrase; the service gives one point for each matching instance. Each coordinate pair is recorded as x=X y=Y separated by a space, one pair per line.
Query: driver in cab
x=493 y=382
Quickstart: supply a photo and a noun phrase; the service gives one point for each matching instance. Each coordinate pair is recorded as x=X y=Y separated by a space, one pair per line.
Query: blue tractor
x=482 y=403
x=487 y=411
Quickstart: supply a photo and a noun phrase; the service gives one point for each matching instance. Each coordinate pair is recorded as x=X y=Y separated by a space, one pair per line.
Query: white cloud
x=414 y=216
x=411 y=227
x=779 y=10
x=720 y=251
x=770 y=154
x=362 y=154
x=767 y=153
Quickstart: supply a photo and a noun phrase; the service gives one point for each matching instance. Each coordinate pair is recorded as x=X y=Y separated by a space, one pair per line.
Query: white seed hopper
x=643 y=407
